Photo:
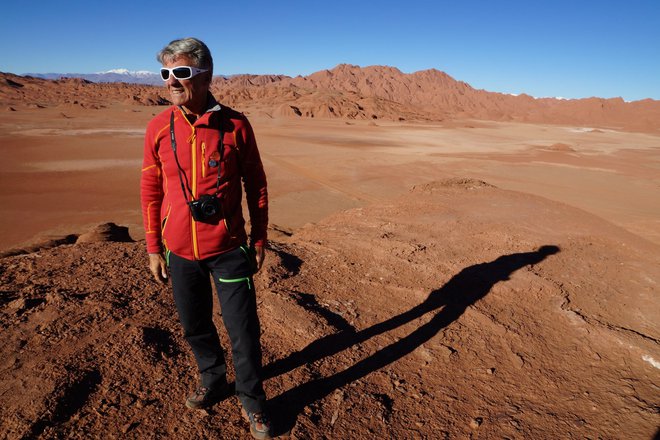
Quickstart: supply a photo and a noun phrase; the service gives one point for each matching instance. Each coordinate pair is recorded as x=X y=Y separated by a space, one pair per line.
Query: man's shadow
x=449 y=301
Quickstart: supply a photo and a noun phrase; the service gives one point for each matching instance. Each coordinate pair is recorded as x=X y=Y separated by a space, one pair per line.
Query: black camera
x=205 y=208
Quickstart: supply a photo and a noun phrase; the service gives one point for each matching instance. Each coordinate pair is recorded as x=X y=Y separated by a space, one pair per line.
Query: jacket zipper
x=193 y=224
x=203 y=159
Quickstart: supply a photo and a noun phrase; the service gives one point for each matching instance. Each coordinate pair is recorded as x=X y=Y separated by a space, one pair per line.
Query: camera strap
x=176 y=158
x=181 y=172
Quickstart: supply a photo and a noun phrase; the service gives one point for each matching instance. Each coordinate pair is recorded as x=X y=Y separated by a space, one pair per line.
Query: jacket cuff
x=261 y=242
x=154 y=249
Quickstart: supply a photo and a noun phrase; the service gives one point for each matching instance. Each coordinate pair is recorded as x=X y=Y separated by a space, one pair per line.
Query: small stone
x=105 y=232
x=476 y=422
x=490 y=371
x=579 y=423
x=128 y=427
x=446 y=352
x=17 y=305
x=54 y=297
x=335 y=416
x=425 y=355
x=126 y=399
x=518 y=360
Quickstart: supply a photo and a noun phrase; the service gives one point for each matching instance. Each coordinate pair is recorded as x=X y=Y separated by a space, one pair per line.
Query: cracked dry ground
x=459 y=311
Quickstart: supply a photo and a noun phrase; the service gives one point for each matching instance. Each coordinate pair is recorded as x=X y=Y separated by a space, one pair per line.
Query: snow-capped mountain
x=114 y=75
x=137 y=73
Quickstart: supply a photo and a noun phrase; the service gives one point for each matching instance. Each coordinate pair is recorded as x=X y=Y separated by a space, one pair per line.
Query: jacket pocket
x=247 y=280
x=250 y=255
x=163 y=223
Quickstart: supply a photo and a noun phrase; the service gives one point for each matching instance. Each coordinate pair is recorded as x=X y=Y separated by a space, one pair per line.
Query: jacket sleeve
x=254 y=182
x=151 y=192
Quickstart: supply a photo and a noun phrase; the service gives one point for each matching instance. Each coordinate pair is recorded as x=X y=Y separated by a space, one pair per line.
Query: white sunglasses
x=180 y=72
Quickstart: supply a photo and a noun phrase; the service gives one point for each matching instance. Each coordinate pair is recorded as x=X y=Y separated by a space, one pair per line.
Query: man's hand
x=158 y=267
x=260 y=256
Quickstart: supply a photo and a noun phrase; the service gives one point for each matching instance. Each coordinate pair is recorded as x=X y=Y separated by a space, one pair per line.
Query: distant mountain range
x=345 y=91
x=115 y=75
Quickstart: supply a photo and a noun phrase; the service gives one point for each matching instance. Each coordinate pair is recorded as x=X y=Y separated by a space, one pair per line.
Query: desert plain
x=461 y=275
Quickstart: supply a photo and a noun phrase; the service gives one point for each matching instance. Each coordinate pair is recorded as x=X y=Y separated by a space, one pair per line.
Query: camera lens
x=209 y=209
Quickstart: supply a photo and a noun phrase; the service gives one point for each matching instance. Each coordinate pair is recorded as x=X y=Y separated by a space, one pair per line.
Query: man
x=195 y=155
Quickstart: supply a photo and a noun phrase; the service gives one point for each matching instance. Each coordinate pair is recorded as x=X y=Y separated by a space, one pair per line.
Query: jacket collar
x=212 y=105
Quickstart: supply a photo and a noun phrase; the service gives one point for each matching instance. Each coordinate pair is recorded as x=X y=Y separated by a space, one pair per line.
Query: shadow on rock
x=290 y=262
x=70 y=400
x=462 y=290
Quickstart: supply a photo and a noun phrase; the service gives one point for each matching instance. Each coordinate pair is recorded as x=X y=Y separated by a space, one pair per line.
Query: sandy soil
x=524 y=307
x=60 y=175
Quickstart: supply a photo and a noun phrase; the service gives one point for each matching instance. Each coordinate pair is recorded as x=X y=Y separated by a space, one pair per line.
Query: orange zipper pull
x=203 y=159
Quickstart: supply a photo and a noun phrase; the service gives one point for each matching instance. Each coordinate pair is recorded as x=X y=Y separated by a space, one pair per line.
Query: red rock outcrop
x=350 y=92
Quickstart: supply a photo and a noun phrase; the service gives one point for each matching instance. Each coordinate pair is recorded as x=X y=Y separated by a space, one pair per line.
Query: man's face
x=189 y=93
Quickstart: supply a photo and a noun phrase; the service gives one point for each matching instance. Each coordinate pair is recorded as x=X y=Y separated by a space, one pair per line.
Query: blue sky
x=571 y=49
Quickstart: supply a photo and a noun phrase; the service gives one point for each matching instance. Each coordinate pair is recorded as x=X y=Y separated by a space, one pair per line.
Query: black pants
x=232 y=274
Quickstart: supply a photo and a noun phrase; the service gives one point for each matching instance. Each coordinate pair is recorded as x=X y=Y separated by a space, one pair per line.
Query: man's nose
x=172 y=81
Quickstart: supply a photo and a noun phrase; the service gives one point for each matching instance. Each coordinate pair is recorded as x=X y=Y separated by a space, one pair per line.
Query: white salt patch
x=588 y=130
x=651 y=361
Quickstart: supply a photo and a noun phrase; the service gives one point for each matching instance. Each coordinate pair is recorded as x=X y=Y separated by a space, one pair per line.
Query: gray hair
x=192 y=47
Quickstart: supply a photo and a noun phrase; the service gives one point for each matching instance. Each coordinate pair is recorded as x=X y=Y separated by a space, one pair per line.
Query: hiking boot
x=203 y=397
x=259 y=424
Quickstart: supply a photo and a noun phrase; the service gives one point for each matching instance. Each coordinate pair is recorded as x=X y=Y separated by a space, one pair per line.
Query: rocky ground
x=458 y=311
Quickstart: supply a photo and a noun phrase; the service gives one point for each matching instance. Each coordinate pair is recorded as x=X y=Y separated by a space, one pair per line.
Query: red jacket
x=168 y=222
